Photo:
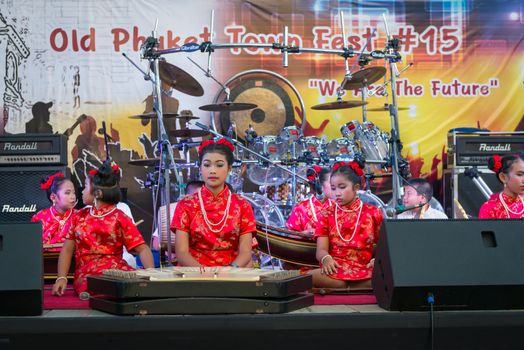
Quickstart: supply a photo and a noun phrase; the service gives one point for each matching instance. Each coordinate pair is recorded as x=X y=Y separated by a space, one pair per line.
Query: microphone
x=315 y=183
x=401 y=208
x=101 y=132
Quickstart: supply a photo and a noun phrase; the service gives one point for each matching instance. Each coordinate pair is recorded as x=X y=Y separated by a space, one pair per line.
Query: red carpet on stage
x=68 y=301
x=353 y=299
x=71 y=301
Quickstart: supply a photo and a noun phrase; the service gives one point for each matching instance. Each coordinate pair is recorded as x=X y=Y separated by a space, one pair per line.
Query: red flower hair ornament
x=353 y=165
x=49 y=181
x=313 y=176
x=497 y=163
x=221 y=141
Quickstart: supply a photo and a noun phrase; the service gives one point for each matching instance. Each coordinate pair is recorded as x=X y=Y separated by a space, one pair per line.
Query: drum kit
x=279 y=161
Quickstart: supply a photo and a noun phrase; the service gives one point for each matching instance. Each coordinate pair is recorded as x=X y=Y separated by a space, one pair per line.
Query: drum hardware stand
x=149 y=51
x=392 y=47
x=482 y=186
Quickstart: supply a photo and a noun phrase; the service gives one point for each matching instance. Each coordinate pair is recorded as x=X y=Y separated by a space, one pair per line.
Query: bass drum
x=370 y=198
x=265 y=210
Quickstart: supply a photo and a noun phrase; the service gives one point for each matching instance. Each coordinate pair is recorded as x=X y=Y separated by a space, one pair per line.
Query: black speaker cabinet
x=459 y=186
x=465 y=264
x=21 y=193
x=21 y=283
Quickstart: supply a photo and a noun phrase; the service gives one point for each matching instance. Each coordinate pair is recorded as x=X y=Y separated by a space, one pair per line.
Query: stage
x=317 y=327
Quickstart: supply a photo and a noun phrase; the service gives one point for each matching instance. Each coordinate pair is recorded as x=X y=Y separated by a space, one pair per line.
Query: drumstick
x=139 y=222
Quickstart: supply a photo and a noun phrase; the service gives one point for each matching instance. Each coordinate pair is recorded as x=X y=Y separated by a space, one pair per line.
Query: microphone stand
x=482 y=186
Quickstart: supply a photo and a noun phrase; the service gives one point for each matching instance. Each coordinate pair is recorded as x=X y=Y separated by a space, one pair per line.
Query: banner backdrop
x=66 y=57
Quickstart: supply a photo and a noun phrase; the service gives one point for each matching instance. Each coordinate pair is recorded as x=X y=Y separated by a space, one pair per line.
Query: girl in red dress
x=304 y=216
x=213 y=226
x=99 y=233
x=347 y=233
x=507 y=204
x=61 y=192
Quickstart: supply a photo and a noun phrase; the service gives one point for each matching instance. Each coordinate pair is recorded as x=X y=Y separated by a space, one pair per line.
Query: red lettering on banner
x=138 y=40
x=235 y=33
x=120 y=37
x=86 y=42
x=319 y=37
x=190 y=39
x=459 y=89
x=58 y=32
x=205 y=35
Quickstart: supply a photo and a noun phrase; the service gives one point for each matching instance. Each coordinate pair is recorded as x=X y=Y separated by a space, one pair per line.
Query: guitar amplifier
x=466 y=149
x=33 y=149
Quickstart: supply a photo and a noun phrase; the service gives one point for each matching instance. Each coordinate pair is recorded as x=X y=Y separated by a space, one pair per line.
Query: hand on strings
x=59 y=287
x=371 y=263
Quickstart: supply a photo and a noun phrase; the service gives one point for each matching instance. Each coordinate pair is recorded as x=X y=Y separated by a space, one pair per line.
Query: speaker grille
x=21 y=193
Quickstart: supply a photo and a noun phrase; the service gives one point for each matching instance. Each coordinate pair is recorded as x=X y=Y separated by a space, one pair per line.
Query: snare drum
x=311 y=145
x=270 y=147
x=342 y=149
x=290 y=134
x=265 y=210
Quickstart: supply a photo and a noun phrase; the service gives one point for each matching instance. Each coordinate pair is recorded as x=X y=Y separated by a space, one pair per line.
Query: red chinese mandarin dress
x=494 y=207
x=99 y=236
x=304 y=215
x=54 y=226
x=353 y=231
x=211 y=248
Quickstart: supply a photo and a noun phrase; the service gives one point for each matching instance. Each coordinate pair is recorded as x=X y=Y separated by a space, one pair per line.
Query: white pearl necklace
x=356 y=223
x=312 y=207
x=508 y=210
x=64 y=220
x=222 y=221
x=103 y=215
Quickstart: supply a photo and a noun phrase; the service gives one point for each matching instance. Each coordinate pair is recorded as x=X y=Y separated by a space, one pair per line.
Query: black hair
x=107 y=181
x=323 y=175
x=505 y=163
x=195 y=183
x=55 y=184
x=217 y=148
x=349 y=173
x=422 y=186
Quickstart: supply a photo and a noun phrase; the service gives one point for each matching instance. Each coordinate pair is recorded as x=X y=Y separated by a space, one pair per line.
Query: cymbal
x=228 y=106
x=339 y=104
x=179 y=79
x=365 y=76
x=186 y=133
x=155 y=162
x=385 y=108
x=186 y=114
x=152 y=115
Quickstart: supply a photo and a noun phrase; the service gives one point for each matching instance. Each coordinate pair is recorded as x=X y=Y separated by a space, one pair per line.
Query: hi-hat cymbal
x=339 y=104
x=227 y=106
x=179 y=79
x=152 y=115
x=365 y=76
x=385 y=108
x=186 y=133
x=155 y=162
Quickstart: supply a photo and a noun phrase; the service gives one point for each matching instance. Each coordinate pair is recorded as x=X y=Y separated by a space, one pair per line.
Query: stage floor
x=318 y=326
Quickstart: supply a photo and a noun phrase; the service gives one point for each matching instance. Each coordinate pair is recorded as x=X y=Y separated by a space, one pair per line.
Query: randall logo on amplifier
x=7 y=208
x=33 y=149
x=474 y=148
x=492 y=148
x=22 y=146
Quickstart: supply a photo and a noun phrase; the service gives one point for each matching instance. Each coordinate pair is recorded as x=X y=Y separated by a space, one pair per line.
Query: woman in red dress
x=213 y=226
x=304 y=216
x=61 y=192
x=347 y=233
x=99 y=233
x=507 y=204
